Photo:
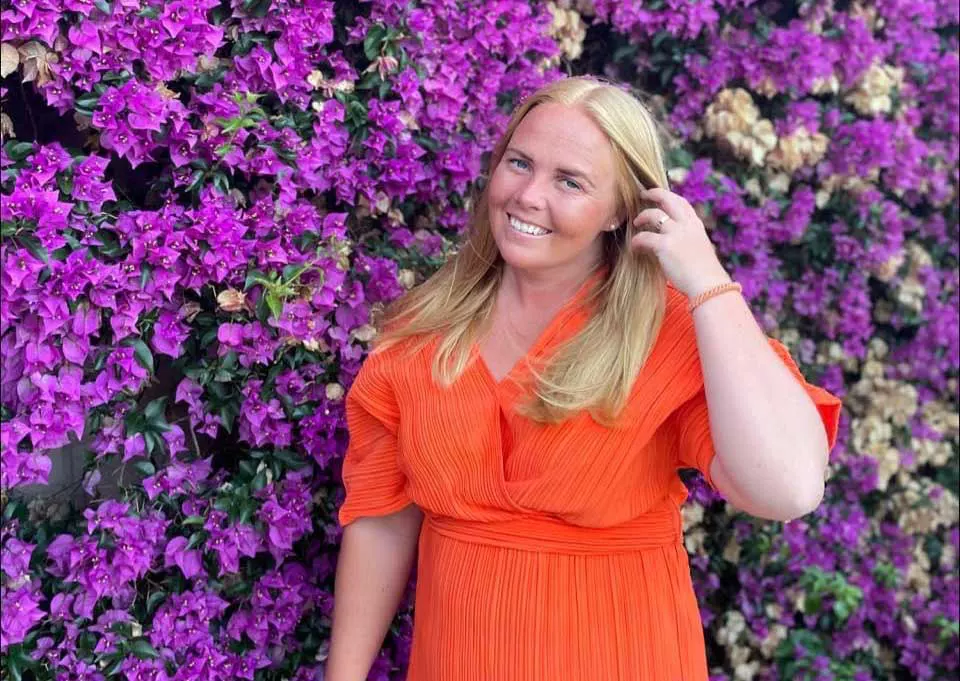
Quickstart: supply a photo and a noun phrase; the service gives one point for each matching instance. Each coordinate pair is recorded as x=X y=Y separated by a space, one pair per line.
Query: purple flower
x=19 y=613
x=177 y=554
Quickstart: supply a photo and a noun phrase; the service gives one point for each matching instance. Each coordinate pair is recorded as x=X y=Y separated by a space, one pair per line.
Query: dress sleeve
x=374 y=482
x=691 y=424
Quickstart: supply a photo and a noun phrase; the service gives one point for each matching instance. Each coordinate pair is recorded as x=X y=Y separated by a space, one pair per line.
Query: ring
x=661 y=221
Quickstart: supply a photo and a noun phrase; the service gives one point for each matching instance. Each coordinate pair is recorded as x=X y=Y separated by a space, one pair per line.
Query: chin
x=521 y=256
x=524 y=262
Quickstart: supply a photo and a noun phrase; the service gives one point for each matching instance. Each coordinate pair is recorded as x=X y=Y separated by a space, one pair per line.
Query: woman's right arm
x=376 y=556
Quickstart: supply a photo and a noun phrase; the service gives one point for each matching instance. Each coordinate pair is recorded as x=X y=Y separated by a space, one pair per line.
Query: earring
x=613 y=227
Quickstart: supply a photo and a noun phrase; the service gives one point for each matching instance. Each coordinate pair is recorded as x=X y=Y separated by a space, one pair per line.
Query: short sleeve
x=374 y=483
x=691 y=423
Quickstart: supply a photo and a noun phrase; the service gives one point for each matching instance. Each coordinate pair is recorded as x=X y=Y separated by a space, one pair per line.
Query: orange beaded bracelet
x=701 y=298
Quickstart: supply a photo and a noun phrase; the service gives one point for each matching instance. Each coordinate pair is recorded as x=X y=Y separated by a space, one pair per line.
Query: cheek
x=499 y=189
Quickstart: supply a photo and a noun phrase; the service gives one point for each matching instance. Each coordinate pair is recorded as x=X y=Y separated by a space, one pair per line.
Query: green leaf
x=197 y=537
x=146 y=468
x=289 y=458
x=427 y=143
x=275 y=304
x=193 y=520
x=65 y=182
x=153 y=601
x=197 y=179
x=17 y=151
x=227 y=417
x=221 y=182
x=371 y=43
x=32 y=244
x=659 y=38
x=253 y=277
x=143 y=355
x=14 y=508
x=141 y=648
x=155 y=409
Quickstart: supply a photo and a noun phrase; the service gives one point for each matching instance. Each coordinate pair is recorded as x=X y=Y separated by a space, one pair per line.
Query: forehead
x=560 y=134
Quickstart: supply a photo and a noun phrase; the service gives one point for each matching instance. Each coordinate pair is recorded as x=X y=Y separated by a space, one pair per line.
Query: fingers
x=649 y=241
x=669 y=202
x=651 y=218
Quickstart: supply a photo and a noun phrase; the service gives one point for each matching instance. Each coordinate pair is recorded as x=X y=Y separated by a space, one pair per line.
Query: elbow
x=806 y=501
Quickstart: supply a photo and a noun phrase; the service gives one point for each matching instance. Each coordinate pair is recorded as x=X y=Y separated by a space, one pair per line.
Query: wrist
x=713 y=292
x=702 y=285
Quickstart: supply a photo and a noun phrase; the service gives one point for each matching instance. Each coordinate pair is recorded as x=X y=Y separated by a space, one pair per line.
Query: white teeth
x=527 y=228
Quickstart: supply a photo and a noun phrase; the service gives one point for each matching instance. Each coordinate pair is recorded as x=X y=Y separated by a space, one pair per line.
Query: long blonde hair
x=596 y=368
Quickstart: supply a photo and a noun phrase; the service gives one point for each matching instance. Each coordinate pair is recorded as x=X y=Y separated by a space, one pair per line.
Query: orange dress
x=547 y=552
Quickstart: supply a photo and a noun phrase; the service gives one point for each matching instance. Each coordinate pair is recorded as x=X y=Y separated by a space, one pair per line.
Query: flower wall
x=205 y=204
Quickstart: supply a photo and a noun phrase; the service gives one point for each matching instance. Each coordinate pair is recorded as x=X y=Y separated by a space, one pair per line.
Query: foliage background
x=205 y=203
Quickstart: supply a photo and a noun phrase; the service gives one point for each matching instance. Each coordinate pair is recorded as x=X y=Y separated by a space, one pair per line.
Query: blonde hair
x=596 y=368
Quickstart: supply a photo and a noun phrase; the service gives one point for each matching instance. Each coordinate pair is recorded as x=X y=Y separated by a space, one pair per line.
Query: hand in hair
x=680 y=242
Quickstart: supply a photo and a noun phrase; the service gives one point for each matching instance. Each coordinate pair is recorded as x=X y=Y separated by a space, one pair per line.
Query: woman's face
x=553 y=192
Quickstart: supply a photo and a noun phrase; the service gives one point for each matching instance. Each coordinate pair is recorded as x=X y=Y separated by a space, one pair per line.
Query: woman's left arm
x=770 y=442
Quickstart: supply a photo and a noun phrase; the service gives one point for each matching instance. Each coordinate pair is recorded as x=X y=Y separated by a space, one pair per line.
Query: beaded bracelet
x=701 y=298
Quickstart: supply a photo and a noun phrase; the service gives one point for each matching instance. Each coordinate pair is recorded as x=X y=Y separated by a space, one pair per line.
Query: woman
x=522 y=420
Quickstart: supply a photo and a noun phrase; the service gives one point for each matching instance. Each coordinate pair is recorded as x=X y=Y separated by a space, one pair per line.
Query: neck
x=542 y=290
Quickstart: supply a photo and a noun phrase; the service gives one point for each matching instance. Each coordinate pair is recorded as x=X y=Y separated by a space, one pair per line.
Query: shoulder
x=397 y=363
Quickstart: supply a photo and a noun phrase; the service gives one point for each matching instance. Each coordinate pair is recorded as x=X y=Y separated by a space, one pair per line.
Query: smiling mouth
x=525 y=227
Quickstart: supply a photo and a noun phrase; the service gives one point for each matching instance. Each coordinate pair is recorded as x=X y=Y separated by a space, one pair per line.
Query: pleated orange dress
x=547 y=552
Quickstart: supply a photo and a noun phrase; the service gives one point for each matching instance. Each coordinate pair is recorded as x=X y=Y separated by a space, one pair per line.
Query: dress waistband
x=550 y=535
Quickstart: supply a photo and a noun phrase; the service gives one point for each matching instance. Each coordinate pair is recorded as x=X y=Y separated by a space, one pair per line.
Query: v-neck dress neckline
x=564 y=314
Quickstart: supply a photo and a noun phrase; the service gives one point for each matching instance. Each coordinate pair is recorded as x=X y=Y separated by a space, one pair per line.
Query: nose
x=531 y=194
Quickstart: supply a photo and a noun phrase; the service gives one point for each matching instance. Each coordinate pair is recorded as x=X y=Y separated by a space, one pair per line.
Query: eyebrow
x=572 y=172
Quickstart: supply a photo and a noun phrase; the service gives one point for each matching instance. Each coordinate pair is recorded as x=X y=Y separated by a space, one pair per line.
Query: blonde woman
x=520 y=424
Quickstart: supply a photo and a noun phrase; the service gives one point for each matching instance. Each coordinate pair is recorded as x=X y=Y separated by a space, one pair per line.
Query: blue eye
x=571 y=184
x=518 y=163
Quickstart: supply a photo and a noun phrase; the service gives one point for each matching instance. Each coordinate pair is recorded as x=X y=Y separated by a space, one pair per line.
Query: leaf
x=275 y=304
x=36 y=59
x=7 y=228
x=197 y=537
x=195 y=181
x=253 y=277
x=289 y=458
x=87 y=104
x=143 y=355
x=141 y=648
x=151 y=442
x=145 y=467
x=33 y=245
x=14 y=667
x=371 y=44
x=153 y=601
x=9 y=59
x=227 y=417
x=155 y=409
